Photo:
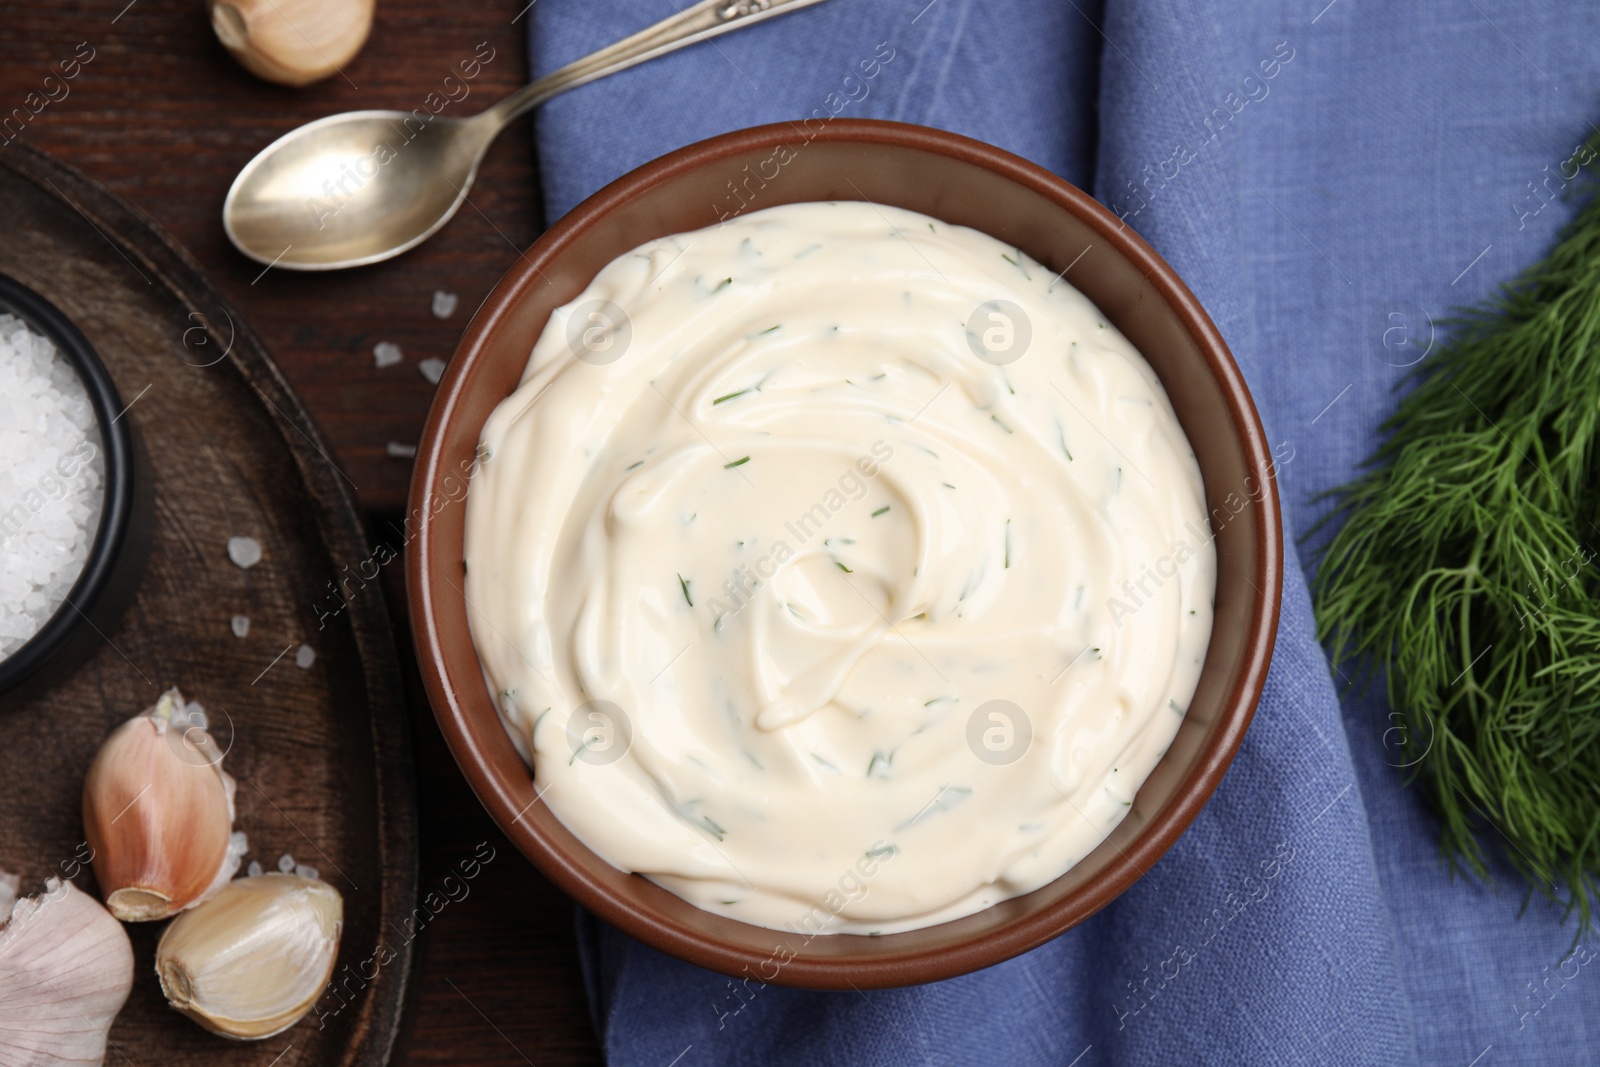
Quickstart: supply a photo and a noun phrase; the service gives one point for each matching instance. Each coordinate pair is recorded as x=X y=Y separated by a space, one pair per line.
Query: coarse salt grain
x=302 y=871
x=396 y=450
x=444 y=304
x=241 y=626
x=9 y=883
x=286 y=863
x=51 y=478
x=254 y=870
x=432 y=369
x=386 y=354
x=304 y=657
x=244 y=551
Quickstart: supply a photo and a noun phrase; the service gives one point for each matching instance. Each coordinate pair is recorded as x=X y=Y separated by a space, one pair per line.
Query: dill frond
x=1465 y=573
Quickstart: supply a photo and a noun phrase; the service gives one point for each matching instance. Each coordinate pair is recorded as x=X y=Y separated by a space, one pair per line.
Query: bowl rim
x=116 y=511
x=985 y=948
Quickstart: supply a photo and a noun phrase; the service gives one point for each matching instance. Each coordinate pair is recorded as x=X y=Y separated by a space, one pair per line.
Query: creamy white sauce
x=746 y=577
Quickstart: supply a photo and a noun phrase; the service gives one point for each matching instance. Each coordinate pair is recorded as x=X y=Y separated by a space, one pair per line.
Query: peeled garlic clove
x=292 y=42
x=158 y=813
x=65 y=971
x=250 y=962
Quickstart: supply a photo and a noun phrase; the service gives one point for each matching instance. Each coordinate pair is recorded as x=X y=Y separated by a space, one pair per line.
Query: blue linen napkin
x=1328 y=178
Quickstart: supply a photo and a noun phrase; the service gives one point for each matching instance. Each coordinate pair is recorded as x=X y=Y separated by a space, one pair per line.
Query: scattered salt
x=241 y=626
x=306 y=872
x=254 y=870
x=51 y=478
x=244 y=551
x=286 y=863
x=432 y=369
x=444 y=304
x=396 y=450
x=386 y=354
x=238 y=843
x=305 y=657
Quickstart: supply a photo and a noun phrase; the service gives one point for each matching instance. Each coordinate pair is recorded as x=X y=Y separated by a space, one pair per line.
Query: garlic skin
x=292 y=42
x=252 y=961
x=66 y=967
x=158 y=813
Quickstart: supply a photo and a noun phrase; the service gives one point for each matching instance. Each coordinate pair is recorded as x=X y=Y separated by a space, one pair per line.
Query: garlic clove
x=292 y=42
x=158 y=813
x=66 y=967
x=251 y=962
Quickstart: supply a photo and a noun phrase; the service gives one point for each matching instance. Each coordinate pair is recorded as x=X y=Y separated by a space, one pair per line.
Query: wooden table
x=163 y=117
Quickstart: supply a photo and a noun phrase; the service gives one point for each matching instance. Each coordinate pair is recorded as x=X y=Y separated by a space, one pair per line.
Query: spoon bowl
x=353 y=188
x=364 y=186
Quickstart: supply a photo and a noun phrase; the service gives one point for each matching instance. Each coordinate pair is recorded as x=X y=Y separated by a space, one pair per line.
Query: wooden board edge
x=163 y=259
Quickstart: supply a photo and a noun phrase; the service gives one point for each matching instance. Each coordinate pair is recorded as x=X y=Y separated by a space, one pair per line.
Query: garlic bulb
x=292 y=42
x=251 y=962
x=158 y=813
x=65 y=970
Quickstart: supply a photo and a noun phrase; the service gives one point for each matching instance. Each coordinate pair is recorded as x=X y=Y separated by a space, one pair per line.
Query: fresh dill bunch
x=1465 y=572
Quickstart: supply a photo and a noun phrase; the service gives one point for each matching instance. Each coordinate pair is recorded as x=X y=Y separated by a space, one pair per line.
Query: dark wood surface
x=162 y=117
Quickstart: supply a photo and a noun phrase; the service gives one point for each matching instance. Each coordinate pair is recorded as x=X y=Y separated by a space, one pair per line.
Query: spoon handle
x=694 y=23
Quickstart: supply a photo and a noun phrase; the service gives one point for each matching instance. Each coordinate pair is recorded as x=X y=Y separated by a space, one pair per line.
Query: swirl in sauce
x=809 y=614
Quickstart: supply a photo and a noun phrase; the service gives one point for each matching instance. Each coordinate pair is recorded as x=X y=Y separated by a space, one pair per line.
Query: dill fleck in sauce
x=755 y=581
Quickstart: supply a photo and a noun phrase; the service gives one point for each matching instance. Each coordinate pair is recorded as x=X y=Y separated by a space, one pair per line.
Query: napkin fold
x=1330 y=179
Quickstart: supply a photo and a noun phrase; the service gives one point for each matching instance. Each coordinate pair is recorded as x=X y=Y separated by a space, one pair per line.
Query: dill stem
x=1464 y=625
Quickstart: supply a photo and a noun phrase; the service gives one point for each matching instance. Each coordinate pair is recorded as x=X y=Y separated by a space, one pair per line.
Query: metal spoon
x=364 y=186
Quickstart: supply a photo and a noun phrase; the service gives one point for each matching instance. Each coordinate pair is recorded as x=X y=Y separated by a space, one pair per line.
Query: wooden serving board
x=322 y=755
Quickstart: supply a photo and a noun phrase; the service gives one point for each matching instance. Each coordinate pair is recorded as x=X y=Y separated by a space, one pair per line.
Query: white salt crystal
x=306 y=872
x=432 y=369
x=396 y=450
x=254 y=870
x=241 y=626
x=245 y=551
x=286 y=863
x=9 y=884
x=444 y=304
x=305 y=656
x=52 y=475
x=386 y=354
x=238 y=842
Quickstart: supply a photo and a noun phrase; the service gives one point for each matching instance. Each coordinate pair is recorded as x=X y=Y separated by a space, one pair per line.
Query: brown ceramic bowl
x=960 y=181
